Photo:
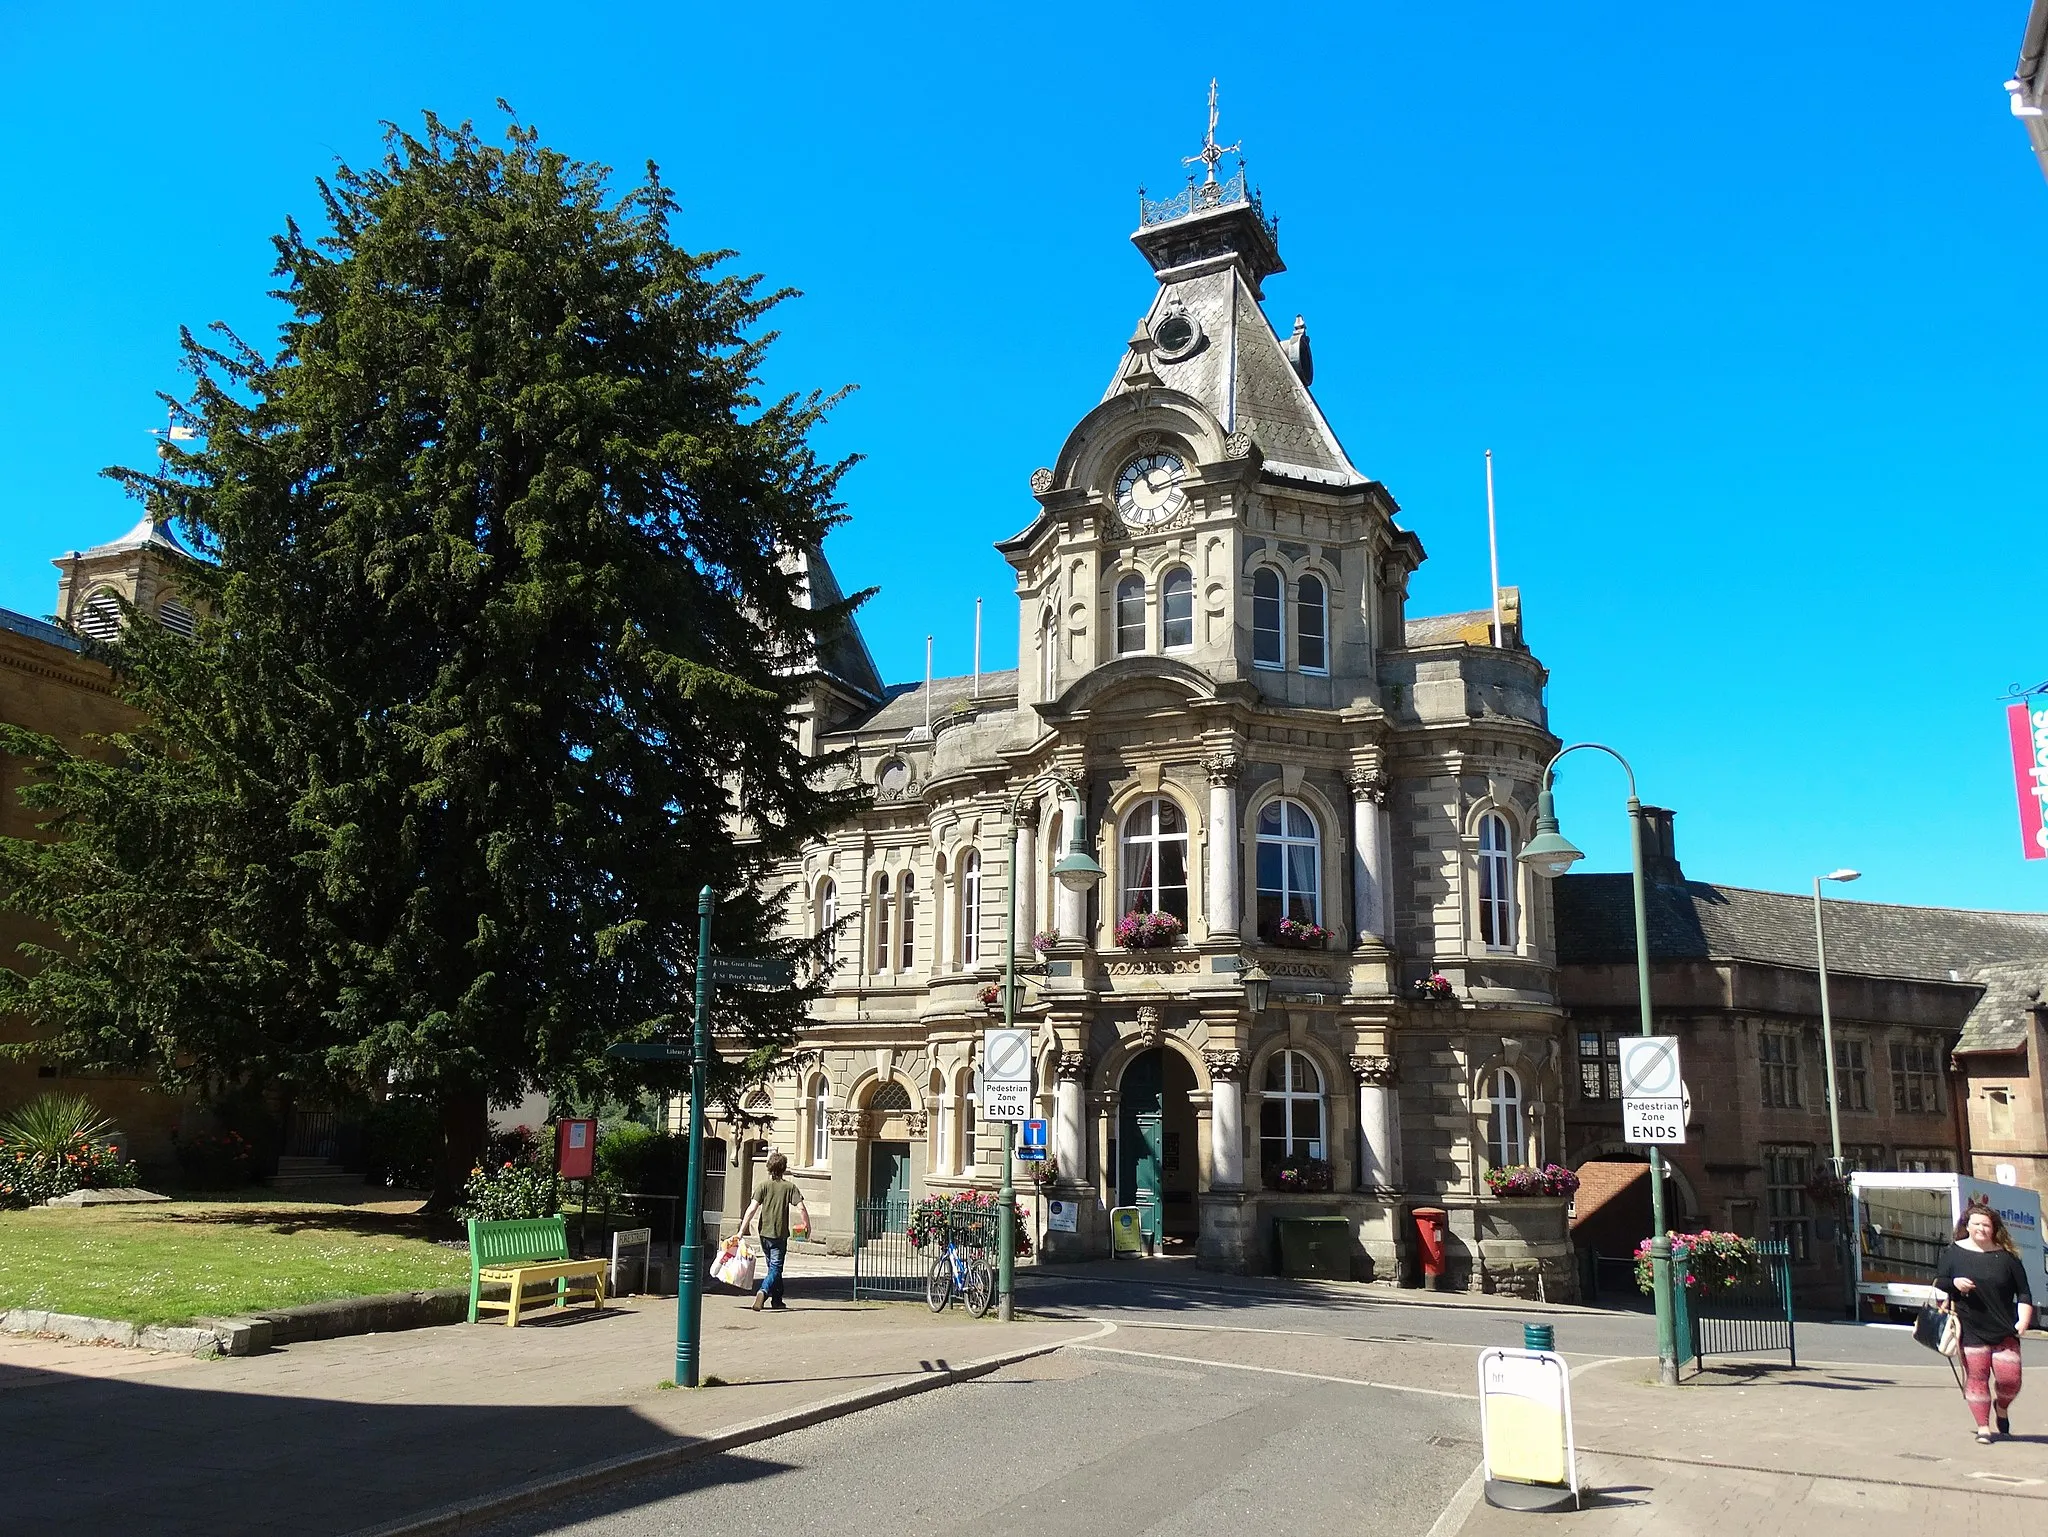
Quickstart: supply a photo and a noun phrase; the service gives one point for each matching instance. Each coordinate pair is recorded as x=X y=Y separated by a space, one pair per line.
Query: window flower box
x=1517 y=1180
x=991 y=996
x=1435 y=988
x=1300 y=1174
x=1292 y=934
x=1149 y=931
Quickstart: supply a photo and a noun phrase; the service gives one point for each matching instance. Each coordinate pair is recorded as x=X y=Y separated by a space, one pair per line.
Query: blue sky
x=1738 y=295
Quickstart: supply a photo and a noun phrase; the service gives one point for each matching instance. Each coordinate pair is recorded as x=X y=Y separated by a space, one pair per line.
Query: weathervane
x=1211 y=151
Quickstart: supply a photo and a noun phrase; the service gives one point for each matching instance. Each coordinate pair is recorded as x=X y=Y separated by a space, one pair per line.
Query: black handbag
x=1938 y=1328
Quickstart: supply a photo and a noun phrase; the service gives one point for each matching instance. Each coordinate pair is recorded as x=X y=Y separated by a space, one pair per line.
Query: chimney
x=1660 y=848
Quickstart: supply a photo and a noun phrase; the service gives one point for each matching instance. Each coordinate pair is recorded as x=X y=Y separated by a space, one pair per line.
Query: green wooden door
x=1141 y=1142
x=889 y=1180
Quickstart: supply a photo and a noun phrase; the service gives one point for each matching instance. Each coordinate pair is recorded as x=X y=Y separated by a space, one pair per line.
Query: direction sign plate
x=1653 y=1097
x=648 y=1051
x=1006 y=1075
x=752 y=970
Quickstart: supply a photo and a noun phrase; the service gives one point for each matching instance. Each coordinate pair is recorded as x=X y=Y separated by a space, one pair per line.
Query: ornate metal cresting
x=1199 y=197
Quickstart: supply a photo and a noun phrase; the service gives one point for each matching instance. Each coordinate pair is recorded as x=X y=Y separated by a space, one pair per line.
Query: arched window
x=1506 y=1146
x=942 y=1127
x=1290 y=1112
x=1289 y=866
x=1496 y=883
x=1269 y=640
x=102 y=617
x=906 y=921
x=881 y=923
x=970 y=908
x=1155 y=859
x=828 y=904
x=1048 y=657
x=890 y=1097
x=821 y=1122
x=177 y=617
x=1312 y=625
x=1177 y=610
x=1130 y=615
x=970 y=1121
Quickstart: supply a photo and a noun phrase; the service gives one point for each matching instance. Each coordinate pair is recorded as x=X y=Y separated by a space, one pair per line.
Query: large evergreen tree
x=501 y=627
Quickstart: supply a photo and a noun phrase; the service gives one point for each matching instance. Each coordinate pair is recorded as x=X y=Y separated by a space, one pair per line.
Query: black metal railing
x=885 y=1262
x=1753 y=1317
x=312 y=1134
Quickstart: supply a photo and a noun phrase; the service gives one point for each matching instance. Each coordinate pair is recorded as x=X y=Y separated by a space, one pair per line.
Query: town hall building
x=1314 y=979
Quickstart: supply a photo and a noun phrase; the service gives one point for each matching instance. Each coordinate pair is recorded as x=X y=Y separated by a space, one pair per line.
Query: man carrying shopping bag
x=772 y=1205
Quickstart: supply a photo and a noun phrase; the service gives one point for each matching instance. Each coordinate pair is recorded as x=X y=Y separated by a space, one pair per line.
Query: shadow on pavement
x=94 y=1455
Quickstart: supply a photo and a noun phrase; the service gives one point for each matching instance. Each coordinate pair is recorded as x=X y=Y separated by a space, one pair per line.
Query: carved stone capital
x=1073 y=1067
x=846 y=1125
x=915 y=1123
x=1027 y=813
x=1368 y=784
x=1375 y=1072
x=1224 y=772
x=1225 y=1066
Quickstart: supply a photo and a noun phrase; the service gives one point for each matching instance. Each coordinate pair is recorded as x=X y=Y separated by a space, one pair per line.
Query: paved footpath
x=346 y=1435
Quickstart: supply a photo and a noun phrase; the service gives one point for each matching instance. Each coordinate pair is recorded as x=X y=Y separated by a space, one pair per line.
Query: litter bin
x=1315 y=1248
x=1430 y=1222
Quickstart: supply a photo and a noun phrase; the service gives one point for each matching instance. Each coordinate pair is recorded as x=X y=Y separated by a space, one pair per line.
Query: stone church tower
x=1308 y=801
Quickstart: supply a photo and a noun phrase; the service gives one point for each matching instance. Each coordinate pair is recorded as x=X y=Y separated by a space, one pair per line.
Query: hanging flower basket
x=992 y=998
x=1435 y=988
x=1044 y=940
x=1149 y=931
x=1293 y=934
x=1826 y=1187
x=1046 y=1173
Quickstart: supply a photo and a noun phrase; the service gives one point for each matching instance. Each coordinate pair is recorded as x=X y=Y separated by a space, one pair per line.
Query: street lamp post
x=690 y=1252
x=1827 y=1051
x=1550 y=854
x=1077 y=871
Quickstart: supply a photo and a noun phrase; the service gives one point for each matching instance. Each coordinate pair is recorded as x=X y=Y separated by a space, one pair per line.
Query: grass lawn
x=185 y=1260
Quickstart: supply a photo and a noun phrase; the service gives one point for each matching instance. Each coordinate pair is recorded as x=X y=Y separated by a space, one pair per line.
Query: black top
x=1989 y=1314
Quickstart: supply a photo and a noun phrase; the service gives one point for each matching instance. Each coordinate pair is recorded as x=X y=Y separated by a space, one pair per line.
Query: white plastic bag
x=735 y=1266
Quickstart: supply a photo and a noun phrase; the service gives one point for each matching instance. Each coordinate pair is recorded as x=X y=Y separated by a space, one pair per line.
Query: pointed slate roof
x=144 y=535
x=2012 y=991
x=1241 y=373
x=843 y=654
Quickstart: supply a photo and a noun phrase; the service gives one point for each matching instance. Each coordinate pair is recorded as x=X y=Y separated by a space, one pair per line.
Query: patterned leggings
x=1986 y=1367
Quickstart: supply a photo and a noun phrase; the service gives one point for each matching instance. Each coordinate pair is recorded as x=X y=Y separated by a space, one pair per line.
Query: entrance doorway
x=889 y=1181
x=1158 y=1164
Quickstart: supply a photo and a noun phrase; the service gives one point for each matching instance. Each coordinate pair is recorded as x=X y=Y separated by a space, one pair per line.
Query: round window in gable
x=1177 y=333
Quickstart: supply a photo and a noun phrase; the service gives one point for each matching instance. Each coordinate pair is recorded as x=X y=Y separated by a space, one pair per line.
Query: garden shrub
x=514 y=1179
x=1703 y=1263
x=54 y=1145
x=215 y=1160
x=401 y=1139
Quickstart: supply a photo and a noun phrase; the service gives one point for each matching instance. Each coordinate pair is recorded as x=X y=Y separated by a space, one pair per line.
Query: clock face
x=1148 y=489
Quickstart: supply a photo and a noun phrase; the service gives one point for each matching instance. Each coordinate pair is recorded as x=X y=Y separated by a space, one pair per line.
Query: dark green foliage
x=500 y=631
x=215 y=1160
x=401 y=1140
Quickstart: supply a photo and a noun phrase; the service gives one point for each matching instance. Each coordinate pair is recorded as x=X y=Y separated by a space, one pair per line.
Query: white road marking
x=1276 y=1371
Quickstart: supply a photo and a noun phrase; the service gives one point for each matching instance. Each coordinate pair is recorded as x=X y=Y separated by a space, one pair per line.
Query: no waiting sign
x=1652 y=1091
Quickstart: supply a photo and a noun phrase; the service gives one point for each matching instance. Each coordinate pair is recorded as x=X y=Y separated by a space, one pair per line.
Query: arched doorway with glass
x=1157 y=1157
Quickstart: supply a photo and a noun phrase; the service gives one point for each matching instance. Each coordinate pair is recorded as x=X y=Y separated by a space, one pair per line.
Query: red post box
x=1430 y=1222
x=576 y=1149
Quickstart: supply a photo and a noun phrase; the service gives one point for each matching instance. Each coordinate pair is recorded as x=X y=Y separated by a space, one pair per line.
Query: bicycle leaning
x=965 y=1271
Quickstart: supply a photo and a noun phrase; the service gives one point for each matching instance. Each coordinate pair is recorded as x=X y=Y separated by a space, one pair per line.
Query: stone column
x=1226 y=1124
x=1069 y=1147
x=1072 y=906
x=1372 y=902
x=1379 y=1126
x=1224 y=879
x=1026 y=854
x=848 y=1129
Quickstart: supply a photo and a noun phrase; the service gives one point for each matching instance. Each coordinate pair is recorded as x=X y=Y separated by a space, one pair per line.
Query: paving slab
x=344 y=1435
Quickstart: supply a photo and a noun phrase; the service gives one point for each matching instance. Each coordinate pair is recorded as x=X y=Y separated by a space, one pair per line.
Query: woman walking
x=1983 y=1276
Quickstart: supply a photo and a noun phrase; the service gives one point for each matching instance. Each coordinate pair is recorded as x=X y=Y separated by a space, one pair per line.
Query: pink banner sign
x=2028 y=729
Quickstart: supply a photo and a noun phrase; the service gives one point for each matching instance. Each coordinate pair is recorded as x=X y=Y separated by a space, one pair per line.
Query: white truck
x=1902 y=1222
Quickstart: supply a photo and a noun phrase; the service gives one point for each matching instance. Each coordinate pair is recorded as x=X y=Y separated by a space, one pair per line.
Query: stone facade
x=1223 y=702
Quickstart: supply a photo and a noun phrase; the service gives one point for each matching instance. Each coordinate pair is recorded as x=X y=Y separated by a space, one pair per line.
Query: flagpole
x=1493 y=550
x=927 y=688
x=977 y=648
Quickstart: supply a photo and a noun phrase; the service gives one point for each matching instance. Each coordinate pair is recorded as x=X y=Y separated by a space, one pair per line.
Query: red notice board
x=576 y=1149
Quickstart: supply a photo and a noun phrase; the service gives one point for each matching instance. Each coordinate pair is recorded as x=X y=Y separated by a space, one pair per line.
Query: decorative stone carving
x=1148 y=1027
x=1368 y=784
x=1073 y=1067
x=894 y=780
x=1224 y=772
x=1041 y=481
x=1378 y=1072
x=914 y=1124
x=1027 y=814
x=1226 y=1066
x=845 y=1125
x=1139 y=968
x=1239 y=445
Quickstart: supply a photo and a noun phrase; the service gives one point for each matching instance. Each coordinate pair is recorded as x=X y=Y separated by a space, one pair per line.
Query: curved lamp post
x=1550 y=854
x=1077 y=871
x=1843 y=1256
